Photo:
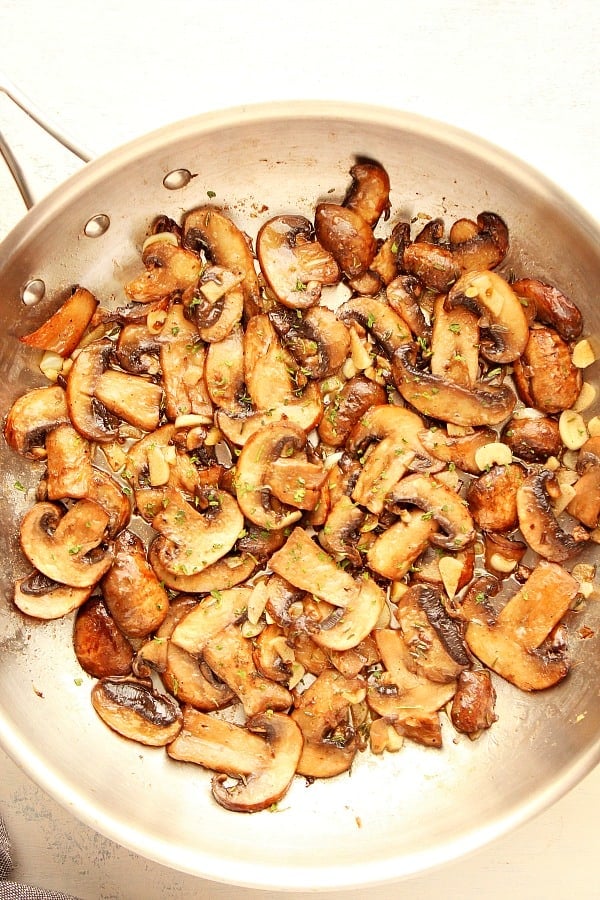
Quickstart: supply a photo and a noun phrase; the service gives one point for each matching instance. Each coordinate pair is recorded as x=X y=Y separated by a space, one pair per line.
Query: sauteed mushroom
x=32 y=416
x=63 y=331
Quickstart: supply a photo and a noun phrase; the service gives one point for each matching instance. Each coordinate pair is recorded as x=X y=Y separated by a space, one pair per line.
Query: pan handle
x=30 y=109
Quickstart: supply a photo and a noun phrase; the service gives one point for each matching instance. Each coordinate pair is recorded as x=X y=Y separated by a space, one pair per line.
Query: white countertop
x=524 y=75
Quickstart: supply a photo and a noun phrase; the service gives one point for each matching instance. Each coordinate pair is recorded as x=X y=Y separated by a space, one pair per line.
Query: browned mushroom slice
x=152 y=655
x=545 y=375
x=219 y=745
x=132 y=592
x=63 y=331
x=352 y=662
x=266 y=786
x=341 y=531
x=433 y=264
x=114 y=501
x=318 y=341
x=440 y=502
x=409 y=701
x=209 y=617
x=393 y=553
x=169 y=268
x=386 y=326
x=357 y=396
x=216 y=304
x=32 y=416
x=70 y=472
x=454 y=344
x=296 y=482
x=137 y=349
x=302 y=410
x=224 y=371
x=100 y=647
x=551 y=307
x=195 y=539
x=226 y=573
x=60 y=545
x=434 y=639
x=585 y=504
x=509 y=645
x=388 y=439
x=457 y=449
x=191 y=681
x=134 y=711
x=483 y=404
x=323 y=715
x=89 y=416
x=502 y=320
x=347 y=236
x=253 y=473
x=130 y=397
x=272 y=654
x=538 y=523
x=294 y=264
x=455 y=571
x=211 y=229
x=41 y=597
x=344 y=629
x=369 y=193
x=492 y=498
x=267 y=365
x=147 y=482
x=479 y=245
x=182 y=357
x=229 y=655
x=533 y=437
x=474 y=702
x=403 y=294
x=305 y=565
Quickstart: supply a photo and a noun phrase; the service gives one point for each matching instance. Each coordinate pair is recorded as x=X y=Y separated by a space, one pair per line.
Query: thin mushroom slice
x=304 y=411
x=267 y=785
x=482 y=404
x=169 y=268
x=294 y=264
x=538 y=523
x=130 y=397
x=435 y=499
x=219 y=745
x=347 y=236
x=545 y=376
x=225 y=573
x=136 y=600
x=32 y=416
x=182 y=361
x=38 y=596
x=217 y=303
x=479 y=245
x=318 y=341
x=135 y=711
x=369 y=193
x=60 y=544
x=434 y=639
x=473 y=705
x=386 y=326
x=191 y=681
x=209 y=617
x=551 y=306
x=63 y=331
x=69 y=464
x=347 y=407
x=102 y=650
x=502 y=319
x=394 y=552
x=89 y=416
x=433 y=264
x=224 y=371
x=454 y=344
x=457 y=450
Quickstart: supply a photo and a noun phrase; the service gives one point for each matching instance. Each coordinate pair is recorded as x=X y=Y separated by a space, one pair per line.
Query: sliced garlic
x=583 y=354
x=397 y=591
x=572 y=429
x=51 y=365
x=257 y=602
x=166 y=236
x=115 y=455
x=250 y=630
x=158 y=468
x=586 y=397
x=567 y=492
x=492 y=454
x=383 y=736
x=155 y=320
x=502 y=563
x=593 y=426
x=298 y=673
x=450 y=570
x=358 y=352
x=192 y=420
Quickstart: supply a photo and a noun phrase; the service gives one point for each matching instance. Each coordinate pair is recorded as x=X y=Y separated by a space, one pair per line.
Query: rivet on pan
x=33 y=291
x=177 y=179
x=97 y=226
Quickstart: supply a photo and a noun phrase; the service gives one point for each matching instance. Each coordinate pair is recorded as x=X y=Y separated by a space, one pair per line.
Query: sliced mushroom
x=348 y=406
x=224 y=371
x=545 y=375
x=209 y=617
x=226 y=573
x=191 y=681
x=393 y=553
x=39 y=596
x=135 y=599
x=538 y=523
x=267 y=365
x=130 y=397
x=60 y=544
x=195 y=540
x=385 y=262
x=502 y=320
x=69 y=464
x=135 y=711
x=474 y=702
x=182 y=358
x=152 y=655
x=454 y=344
x=551 y=307
x=302 y=409
x=108 y=494
x=533 y=438
x=386 y=326
x=318 y=341
x=346 y=628
x=89 y=416
x=434 y=639
x=479 y=245
x=403 y=294
x=305 y=565
x=433 y=264
x=509 y=645
x=347 y=236
x=502 y=555
x=229 y=655
x=32 y=416
x=216 y=304
x=102 y=650
x=63 y=331
x=585 y=504
x=492 y=498
x=341 y=531
x=323 y=714
x=294 y=264
x=210 y=228
x=169 y=268
x=483 y=404
x=369 y=193
x=137 y=349
x=255 y=462
x=219 y=745
x=266 y=786
x=458 y=450
x=435 y=498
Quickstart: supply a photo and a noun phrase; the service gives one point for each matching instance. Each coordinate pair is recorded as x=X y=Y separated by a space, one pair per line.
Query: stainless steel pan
x=393 y=816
